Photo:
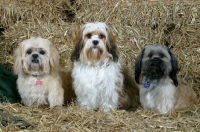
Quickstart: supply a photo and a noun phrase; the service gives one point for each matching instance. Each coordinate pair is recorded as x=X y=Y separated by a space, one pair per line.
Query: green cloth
x=8 y=86
x=9 y=119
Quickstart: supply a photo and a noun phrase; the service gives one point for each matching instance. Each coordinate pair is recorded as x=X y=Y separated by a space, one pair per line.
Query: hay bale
x=135 y=24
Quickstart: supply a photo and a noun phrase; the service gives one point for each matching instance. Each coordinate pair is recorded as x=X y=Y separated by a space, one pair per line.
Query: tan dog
x=39 y=80
x=155 y=72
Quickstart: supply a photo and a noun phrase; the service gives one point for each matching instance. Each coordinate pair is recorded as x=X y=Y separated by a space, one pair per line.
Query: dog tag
x=38 y=82
x=146 y=85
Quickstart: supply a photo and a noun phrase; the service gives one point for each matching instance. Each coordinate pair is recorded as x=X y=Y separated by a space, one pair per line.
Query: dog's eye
x=161 y=55
x=89 y=35
x=29 y=51
x=42 y=52
x=150 y=55
x=101 y=36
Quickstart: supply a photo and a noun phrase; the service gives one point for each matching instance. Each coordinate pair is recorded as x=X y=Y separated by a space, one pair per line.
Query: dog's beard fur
x=37 y=66
x=94 y=54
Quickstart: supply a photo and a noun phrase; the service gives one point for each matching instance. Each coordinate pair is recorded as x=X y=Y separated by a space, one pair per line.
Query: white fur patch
x=48 y=93
x=97 y=86
x=161 y=97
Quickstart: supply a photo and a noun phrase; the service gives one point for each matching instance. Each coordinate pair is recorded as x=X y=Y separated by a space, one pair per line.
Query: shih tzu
x=39 y=78
x=99 y=80
x=160 y=89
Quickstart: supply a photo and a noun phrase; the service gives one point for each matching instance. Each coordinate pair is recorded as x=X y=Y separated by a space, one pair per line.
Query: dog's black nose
x=95 y=42
x=156 y=59
x=35 y=56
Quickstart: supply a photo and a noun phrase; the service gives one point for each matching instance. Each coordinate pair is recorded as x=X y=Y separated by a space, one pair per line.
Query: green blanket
x=8 y=86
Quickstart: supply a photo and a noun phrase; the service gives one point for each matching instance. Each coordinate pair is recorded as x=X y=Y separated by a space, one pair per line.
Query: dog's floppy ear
x=138 y=66
x=112 y=47
x=174 y=71
x=79 y=45
x=54 y=59
x=18 y=59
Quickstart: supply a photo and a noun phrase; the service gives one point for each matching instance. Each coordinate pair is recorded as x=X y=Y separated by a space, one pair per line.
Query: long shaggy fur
x=155 y=72
x=97 y=74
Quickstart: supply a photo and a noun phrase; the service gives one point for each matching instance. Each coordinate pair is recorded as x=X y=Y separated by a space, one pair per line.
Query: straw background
x=135 y=23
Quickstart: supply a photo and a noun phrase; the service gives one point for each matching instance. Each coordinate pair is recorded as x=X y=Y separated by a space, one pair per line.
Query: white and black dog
x=155 y=73
x=99 y=80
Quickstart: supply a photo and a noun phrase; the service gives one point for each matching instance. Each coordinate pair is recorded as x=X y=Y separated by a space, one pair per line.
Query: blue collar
x=146 y=84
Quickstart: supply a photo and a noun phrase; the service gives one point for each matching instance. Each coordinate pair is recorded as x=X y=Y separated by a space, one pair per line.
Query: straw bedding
x=135 y=24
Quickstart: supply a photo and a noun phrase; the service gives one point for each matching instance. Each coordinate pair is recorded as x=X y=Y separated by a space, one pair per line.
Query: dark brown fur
x=69 y=94
x=129 y=98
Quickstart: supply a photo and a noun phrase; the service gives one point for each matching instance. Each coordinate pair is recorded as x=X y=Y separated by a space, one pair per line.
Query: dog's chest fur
x=48 y=93
x=97 y=86
x=31 y=93
x=159 y=96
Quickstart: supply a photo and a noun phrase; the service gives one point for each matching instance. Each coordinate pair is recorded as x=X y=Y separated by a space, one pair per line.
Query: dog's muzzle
x=35 y=58
x=155 y=68
x=155 y=61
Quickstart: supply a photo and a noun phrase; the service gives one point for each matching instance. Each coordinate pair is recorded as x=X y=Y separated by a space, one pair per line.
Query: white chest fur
x=97 y=86
x=49 y=92
x=161 y=97
x=30 y=92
